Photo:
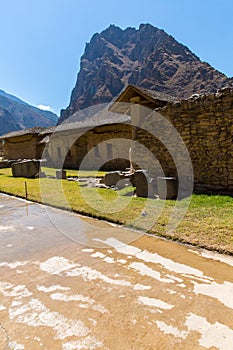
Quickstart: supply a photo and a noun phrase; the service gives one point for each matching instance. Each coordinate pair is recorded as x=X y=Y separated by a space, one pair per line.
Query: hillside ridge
x=16 y=114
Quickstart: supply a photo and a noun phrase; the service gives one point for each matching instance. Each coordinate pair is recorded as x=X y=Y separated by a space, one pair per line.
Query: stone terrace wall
x=205 y=122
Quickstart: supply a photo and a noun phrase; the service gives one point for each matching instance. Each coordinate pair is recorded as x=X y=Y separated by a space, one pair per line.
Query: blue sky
x=42 y=40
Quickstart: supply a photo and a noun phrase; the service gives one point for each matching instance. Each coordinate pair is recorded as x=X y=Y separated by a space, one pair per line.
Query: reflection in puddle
x=223 y=292
x=214 y=256
x=167 y=329
x=217 y=335
x=51 y=288
x=6 y=228
x=35 y=314
x=155 y=303
x=152 y=258
x=147 y=271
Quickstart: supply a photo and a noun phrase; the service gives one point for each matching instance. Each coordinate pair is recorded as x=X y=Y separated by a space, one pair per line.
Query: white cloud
x=45 y=108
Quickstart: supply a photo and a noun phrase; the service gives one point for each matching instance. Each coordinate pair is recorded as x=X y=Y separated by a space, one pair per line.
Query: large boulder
x=61 y=174
x=167 y=187
x=26 y=168
x=112 y=178
x=146 y=186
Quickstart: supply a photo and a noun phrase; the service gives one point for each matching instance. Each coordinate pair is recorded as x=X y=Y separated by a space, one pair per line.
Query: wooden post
x=26 y=189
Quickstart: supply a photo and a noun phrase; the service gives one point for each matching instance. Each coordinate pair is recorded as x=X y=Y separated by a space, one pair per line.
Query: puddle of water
x=13 y=345
x=147 y=271
x=90 y=274
x=221 y=291
x=51 y=288
x=86 y=301
x=11 y=290
x=35 y=314
x=139 y=286
x=87 y=250
x=6 y=228
x=109 y=260
x=155 y=303
x=152 y=258
x=13 y=265
x=168 y=329
x=214 y=256
x=212 y=335
x=122 y=261
x=98 y=255
x=56 y=265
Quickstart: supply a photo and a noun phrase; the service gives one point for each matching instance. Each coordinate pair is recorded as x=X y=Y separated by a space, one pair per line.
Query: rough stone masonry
x=205 y=122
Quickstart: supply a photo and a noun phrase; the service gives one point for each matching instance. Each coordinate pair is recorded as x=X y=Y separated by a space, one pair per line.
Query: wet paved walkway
x=72 y=283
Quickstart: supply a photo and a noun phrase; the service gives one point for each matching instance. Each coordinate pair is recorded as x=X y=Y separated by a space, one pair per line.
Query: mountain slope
x=11 y=97
x=16 y=114
x=147 y=57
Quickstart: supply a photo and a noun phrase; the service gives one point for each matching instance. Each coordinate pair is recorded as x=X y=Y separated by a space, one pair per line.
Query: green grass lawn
x=207 y=222
x=74 y=173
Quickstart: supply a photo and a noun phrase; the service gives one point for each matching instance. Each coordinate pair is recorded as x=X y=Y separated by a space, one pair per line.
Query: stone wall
x=105 y=146
x=108 y=147
x=205 y=123
x=22 y=147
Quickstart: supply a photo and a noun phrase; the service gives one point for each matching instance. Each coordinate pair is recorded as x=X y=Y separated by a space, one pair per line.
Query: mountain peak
x=112 y=27
x=147 y=26
x=147 y=57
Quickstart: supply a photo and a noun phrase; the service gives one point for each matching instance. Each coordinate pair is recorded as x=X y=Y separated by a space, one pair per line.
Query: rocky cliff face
x=147 y=57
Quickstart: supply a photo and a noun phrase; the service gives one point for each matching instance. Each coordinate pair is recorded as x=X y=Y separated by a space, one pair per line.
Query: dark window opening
x=109 y=151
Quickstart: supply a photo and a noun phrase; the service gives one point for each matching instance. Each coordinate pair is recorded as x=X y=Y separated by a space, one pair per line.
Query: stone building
x=205 y=124
x=22 y=144
x=136 y=120
x=102 y=140
x=91 y=141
